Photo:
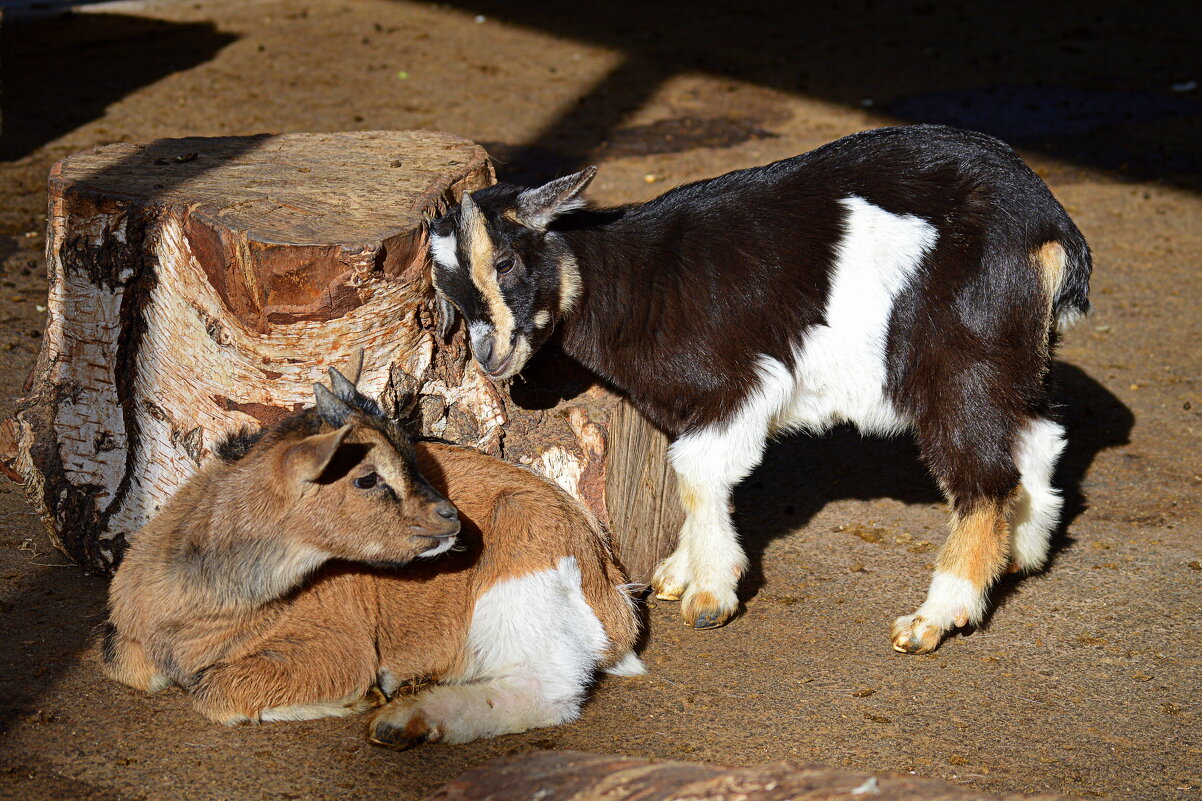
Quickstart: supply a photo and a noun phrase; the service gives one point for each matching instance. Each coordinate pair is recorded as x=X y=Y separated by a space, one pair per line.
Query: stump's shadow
x=63 y=70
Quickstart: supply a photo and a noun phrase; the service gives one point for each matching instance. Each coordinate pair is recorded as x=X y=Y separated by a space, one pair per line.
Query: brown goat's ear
x=539 y=206
x=308 y=459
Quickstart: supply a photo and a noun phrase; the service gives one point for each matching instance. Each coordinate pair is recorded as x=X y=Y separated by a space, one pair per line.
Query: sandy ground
x=1086 y=678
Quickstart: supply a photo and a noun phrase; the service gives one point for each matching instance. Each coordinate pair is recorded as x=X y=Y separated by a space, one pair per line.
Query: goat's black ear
x=331 y=408
x=446 y=316
x=537 y=207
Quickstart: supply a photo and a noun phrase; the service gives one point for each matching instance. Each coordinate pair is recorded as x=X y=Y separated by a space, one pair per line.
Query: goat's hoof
x=399 y=732
x=702 y=610
x=669 y=582
x=372 y=699
x=914 y=634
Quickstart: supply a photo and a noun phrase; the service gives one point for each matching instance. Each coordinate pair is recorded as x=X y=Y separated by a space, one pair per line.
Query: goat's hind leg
x=974 y=463
x=460 y=713
x=971 y=559
x=1036 y=510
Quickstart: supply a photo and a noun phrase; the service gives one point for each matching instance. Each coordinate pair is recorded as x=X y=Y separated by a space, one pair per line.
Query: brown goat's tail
x=606 y=589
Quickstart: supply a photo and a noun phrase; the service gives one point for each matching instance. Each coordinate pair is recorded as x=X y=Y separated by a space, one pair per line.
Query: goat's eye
x=367 y=482
x=504 y=266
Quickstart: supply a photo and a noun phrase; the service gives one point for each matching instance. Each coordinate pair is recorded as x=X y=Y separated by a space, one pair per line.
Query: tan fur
x=978 y=547
x=541 y=524
x=569 y=283
x=227 y=591
x=482 y=254
x=1052 y=261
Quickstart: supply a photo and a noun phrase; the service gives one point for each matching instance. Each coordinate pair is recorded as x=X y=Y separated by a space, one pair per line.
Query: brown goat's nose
x=446 y=510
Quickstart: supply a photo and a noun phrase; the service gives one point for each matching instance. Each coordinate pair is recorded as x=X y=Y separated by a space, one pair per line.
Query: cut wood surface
x=202 y=285
x=576 y=776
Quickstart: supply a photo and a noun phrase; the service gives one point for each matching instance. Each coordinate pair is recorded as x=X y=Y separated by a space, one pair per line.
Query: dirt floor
x=1086 y=678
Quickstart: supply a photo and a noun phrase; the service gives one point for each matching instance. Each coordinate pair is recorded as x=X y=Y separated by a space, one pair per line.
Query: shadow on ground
x=51 y=618
x=64 y=70
x=800 y=475
x=1110 y=85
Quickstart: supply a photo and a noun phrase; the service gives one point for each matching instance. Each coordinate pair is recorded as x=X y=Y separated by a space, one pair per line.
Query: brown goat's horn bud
x=343 y=387
x=355 y=369
x=331 y=408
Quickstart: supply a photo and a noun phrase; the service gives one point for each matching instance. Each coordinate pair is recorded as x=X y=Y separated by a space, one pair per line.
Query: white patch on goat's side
x=542 y=318
x=839 y=375
x=440 y=548
x=541 y=623
x=951 y=597
x=1036 y=511
x=840 y=370
x=532 y=648
x=444 y=251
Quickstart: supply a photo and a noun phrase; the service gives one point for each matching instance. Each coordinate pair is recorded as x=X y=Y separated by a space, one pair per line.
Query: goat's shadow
x=801 y=474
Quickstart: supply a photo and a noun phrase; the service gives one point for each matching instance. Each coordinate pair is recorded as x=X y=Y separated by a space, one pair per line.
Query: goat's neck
x=628 y=274
x=237 y=562
x=238 y=574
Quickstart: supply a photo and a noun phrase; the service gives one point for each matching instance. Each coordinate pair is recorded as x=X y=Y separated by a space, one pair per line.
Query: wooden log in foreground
x=576 y=776
x=201 y=285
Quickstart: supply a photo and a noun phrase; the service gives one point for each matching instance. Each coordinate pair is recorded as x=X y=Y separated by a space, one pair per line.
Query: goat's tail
x=1070 y=299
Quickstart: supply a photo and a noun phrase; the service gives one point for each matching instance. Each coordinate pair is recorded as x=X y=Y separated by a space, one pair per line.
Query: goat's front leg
x=705 y=569
x=290 y=678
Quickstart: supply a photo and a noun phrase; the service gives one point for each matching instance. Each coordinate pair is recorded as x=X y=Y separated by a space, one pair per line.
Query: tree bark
x=575 y=776
x=202 y=285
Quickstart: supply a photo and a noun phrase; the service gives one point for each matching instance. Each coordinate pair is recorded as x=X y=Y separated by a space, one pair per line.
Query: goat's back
x=514 y=523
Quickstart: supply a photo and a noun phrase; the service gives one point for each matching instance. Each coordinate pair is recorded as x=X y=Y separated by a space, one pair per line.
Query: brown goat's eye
x=504 y=266
x=367 y=482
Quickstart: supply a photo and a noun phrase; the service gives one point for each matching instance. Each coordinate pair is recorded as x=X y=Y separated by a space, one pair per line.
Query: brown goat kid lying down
x=270 y=586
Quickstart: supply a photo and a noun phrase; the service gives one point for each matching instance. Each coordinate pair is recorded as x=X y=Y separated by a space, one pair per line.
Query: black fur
x=108 y=645
x=683 y=292
x=681 y=299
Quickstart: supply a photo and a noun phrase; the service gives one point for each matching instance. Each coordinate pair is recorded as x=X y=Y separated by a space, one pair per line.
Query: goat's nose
x=446 y=510
x=483 y=349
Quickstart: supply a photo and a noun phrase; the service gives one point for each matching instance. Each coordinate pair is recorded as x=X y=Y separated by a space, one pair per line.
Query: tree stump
x=575 y=776
x=202 y=285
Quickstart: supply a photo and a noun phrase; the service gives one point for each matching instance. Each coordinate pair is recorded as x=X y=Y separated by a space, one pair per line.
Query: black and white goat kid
x=901 y=279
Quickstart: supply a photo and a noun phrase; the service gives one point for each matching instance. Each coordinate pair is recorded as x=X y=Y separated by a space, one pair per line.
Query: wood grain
x=202 y=285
